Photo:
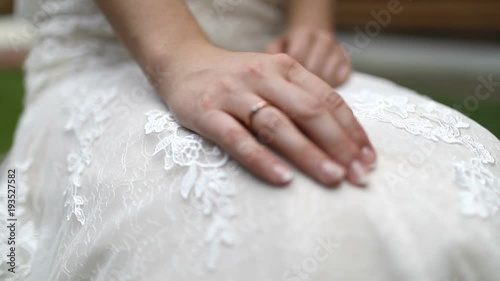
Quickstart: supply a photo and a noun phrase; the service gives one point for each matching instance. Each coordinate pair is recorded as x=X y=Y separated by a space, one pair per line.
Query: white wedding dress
x=111 y=187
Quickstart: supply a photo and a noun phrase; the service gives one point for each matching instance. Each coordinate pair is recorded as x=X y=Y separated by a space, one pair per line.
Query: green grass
x=488 y=113
x=11 y=94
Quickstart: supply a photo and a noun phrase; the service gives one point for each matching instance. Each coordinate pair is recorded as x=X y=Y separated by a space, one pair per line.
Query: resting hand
x=211 y=91
x=318 y=51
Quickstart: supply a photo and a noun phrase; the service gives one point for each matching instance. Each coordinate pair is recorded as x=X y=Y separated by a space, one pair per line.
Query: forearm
x=156 y=32
x=317 y=14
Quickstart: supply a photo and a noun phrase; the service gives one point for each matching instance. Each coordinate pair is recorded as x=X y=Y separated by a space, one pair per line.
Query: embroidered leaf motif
x=76 y=181
x=204 y=176
x=156 y=122
x=163 y=144
x=78 y=200
x=188 y=181
x=200 y=186
x=84 y=122
x=80 y=216
x=481 y=190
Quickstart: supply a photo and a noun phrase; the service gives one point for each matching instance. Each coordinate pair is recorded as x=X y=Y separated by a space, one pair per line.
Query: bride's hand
x=318 y=51
x=212 y=93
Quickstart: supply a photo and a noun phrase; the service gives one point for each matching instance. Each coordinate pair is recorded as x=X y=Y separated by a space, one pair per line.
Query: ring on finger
x=254 y=109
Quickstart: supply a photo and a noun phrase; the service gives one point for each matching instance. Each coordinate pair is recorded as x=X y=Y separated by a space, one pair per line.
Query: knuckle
x=287 y=63
x=234 y=136
x=283 y=60
x=267 y=129
x=309 y=109
x=334 y=100
x=275 y=120
x=254 y=69
x=293 y=70
x=266 y=135
x=248 y=150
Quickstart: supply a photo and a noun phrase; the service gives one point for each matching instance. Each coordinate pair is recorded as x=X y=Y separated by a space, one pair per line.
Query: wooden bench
x=6 y=7
x=457 y=18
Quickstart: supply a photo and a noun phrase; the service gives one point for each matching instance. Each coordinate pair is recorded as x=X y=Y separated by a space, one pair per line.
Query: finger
x=275 y=129
x=346 y=69
x=277 y=46
x=237 y=141
x=330 y=69
x=298 y=45
x=337 y=107
x=318 y=124
x=337 y=67
x=321 y=48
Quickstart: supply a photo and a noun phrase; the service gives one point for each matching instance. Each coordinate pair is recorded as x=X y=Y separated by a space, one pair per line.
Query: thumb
x=277 y=46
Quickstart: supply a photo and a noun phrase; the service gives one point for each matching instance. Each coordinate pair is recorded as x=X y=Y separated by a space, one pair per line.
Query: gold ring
x=254 y=109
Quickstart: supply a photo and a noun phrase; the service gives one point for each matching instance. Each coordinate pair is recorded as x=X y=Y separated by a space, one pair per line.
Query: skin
x=311 y=41
x=211 y=90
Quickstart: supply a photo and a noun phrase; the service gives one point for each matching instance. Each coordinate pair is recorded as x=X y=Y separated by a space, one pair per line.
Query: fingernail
x=359 y=172
x=332 y=171
x=284 y=174
x=368 y=155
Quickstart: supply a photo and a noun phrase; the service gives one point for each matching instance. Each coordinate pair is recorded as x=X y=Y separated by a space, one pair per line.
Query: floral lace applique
x=481 y=189
x=85 y=118
x=205 y=185
x=481 y=192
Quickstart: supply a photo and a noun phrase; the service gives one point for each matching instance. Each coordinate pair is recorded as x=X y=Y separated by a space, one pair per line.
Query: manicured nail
x=283 y=173
x=368 y=155
x=359 y=172
x=332 y=171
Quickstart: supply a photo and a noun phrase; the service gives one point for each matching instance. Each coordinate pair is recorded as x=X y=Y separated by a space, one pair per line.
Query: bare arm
x=315 y=14
x=156 y=32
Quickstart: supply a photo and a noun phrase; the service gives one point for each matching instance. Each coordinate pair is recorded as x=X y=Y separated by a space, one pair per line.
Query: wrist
x=312 y=14
x=310 y=26
x=160 y=62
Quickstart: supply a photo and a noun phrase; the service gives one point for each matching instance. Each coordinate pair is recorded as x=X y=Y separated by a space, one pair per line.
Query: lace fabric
x=116 y=164
x=204 y=181
x=93 y=111
x=123 y=192
x=481 y=189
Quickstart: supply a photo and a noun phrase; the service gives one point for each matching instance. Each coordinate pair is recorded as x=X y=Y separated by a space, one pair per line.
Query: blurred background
x=448 y=50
